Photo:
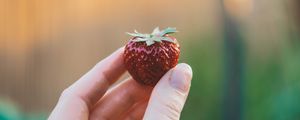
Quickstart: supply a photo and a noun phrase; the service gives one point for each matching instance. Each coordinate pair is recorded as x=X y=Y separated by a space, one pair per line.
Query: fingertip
x=181 y=76
x=170 y=93
x=185 y=68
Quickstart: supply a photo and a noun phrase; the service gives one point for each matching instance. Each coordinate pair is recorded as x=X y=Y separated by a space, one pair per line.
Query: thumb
x=169 y=95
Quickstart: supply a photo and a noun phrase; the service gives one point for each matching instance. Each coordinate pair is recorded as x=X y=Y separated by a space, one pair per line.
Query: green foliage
x=205 y=57
x=271 y=88
x=273 y=85
x=10 y=111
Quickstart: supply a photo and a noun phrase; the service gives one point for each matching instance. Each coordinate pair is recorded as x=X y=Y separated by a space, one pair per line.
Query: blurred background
x=245 y=53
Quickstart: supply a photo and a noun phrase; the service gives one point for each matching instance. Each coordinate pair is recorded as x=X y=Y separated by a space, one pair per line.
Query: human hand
x=89 y=97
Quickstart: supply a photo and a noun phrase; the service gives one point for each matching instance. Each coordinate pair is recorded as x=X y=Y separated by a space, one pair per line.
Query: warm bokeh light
x=239 y=8
x=46 y=45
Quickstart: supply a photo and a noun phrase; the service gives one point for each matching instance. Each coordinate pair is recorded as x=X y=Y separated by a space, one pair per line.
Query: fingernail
x=181 y=77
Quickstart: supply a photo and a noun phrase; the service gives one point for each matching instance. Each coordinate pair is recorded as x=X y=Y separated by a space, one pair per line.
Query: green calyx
x=155 y=36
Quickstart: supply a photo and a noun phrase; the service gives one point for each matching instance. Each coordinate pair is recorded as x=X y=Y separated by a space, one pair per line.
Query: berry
x=148 y=57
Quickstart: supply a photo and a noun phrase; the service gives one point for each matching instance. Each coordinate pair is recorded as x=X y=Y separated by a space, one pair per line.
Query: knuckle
x=173 y=110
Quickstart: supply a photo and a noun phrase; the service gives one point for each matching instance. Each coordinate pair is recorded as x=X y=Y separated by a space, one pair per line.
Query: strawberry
x=148 y=57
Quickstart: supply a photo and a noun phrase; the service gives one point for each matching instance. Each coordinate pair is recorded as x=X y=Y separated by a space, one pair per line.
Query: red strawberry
x=148 y=57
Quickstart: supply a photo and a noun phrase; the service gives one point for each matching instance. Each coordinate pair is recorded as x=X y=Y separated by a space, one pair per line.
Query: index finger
x=92 y=86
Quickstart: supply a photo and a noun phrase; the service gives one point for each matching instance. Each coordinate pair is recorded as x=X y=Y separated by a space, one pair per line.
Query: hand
x=89 y=97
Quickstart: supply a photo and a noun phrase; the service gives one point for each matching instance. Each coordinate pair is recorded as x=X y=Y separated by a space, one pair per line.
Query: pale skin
x=91 y=98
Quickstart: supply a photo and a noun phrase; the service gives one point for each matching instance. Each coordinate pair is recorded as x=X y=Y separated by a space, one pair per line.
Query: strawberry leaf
x=168 y=30
x=139 y=40
x=167 y=39
x=137 y=34
x=149 y=42
x=156 y=31
x=155 y=36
